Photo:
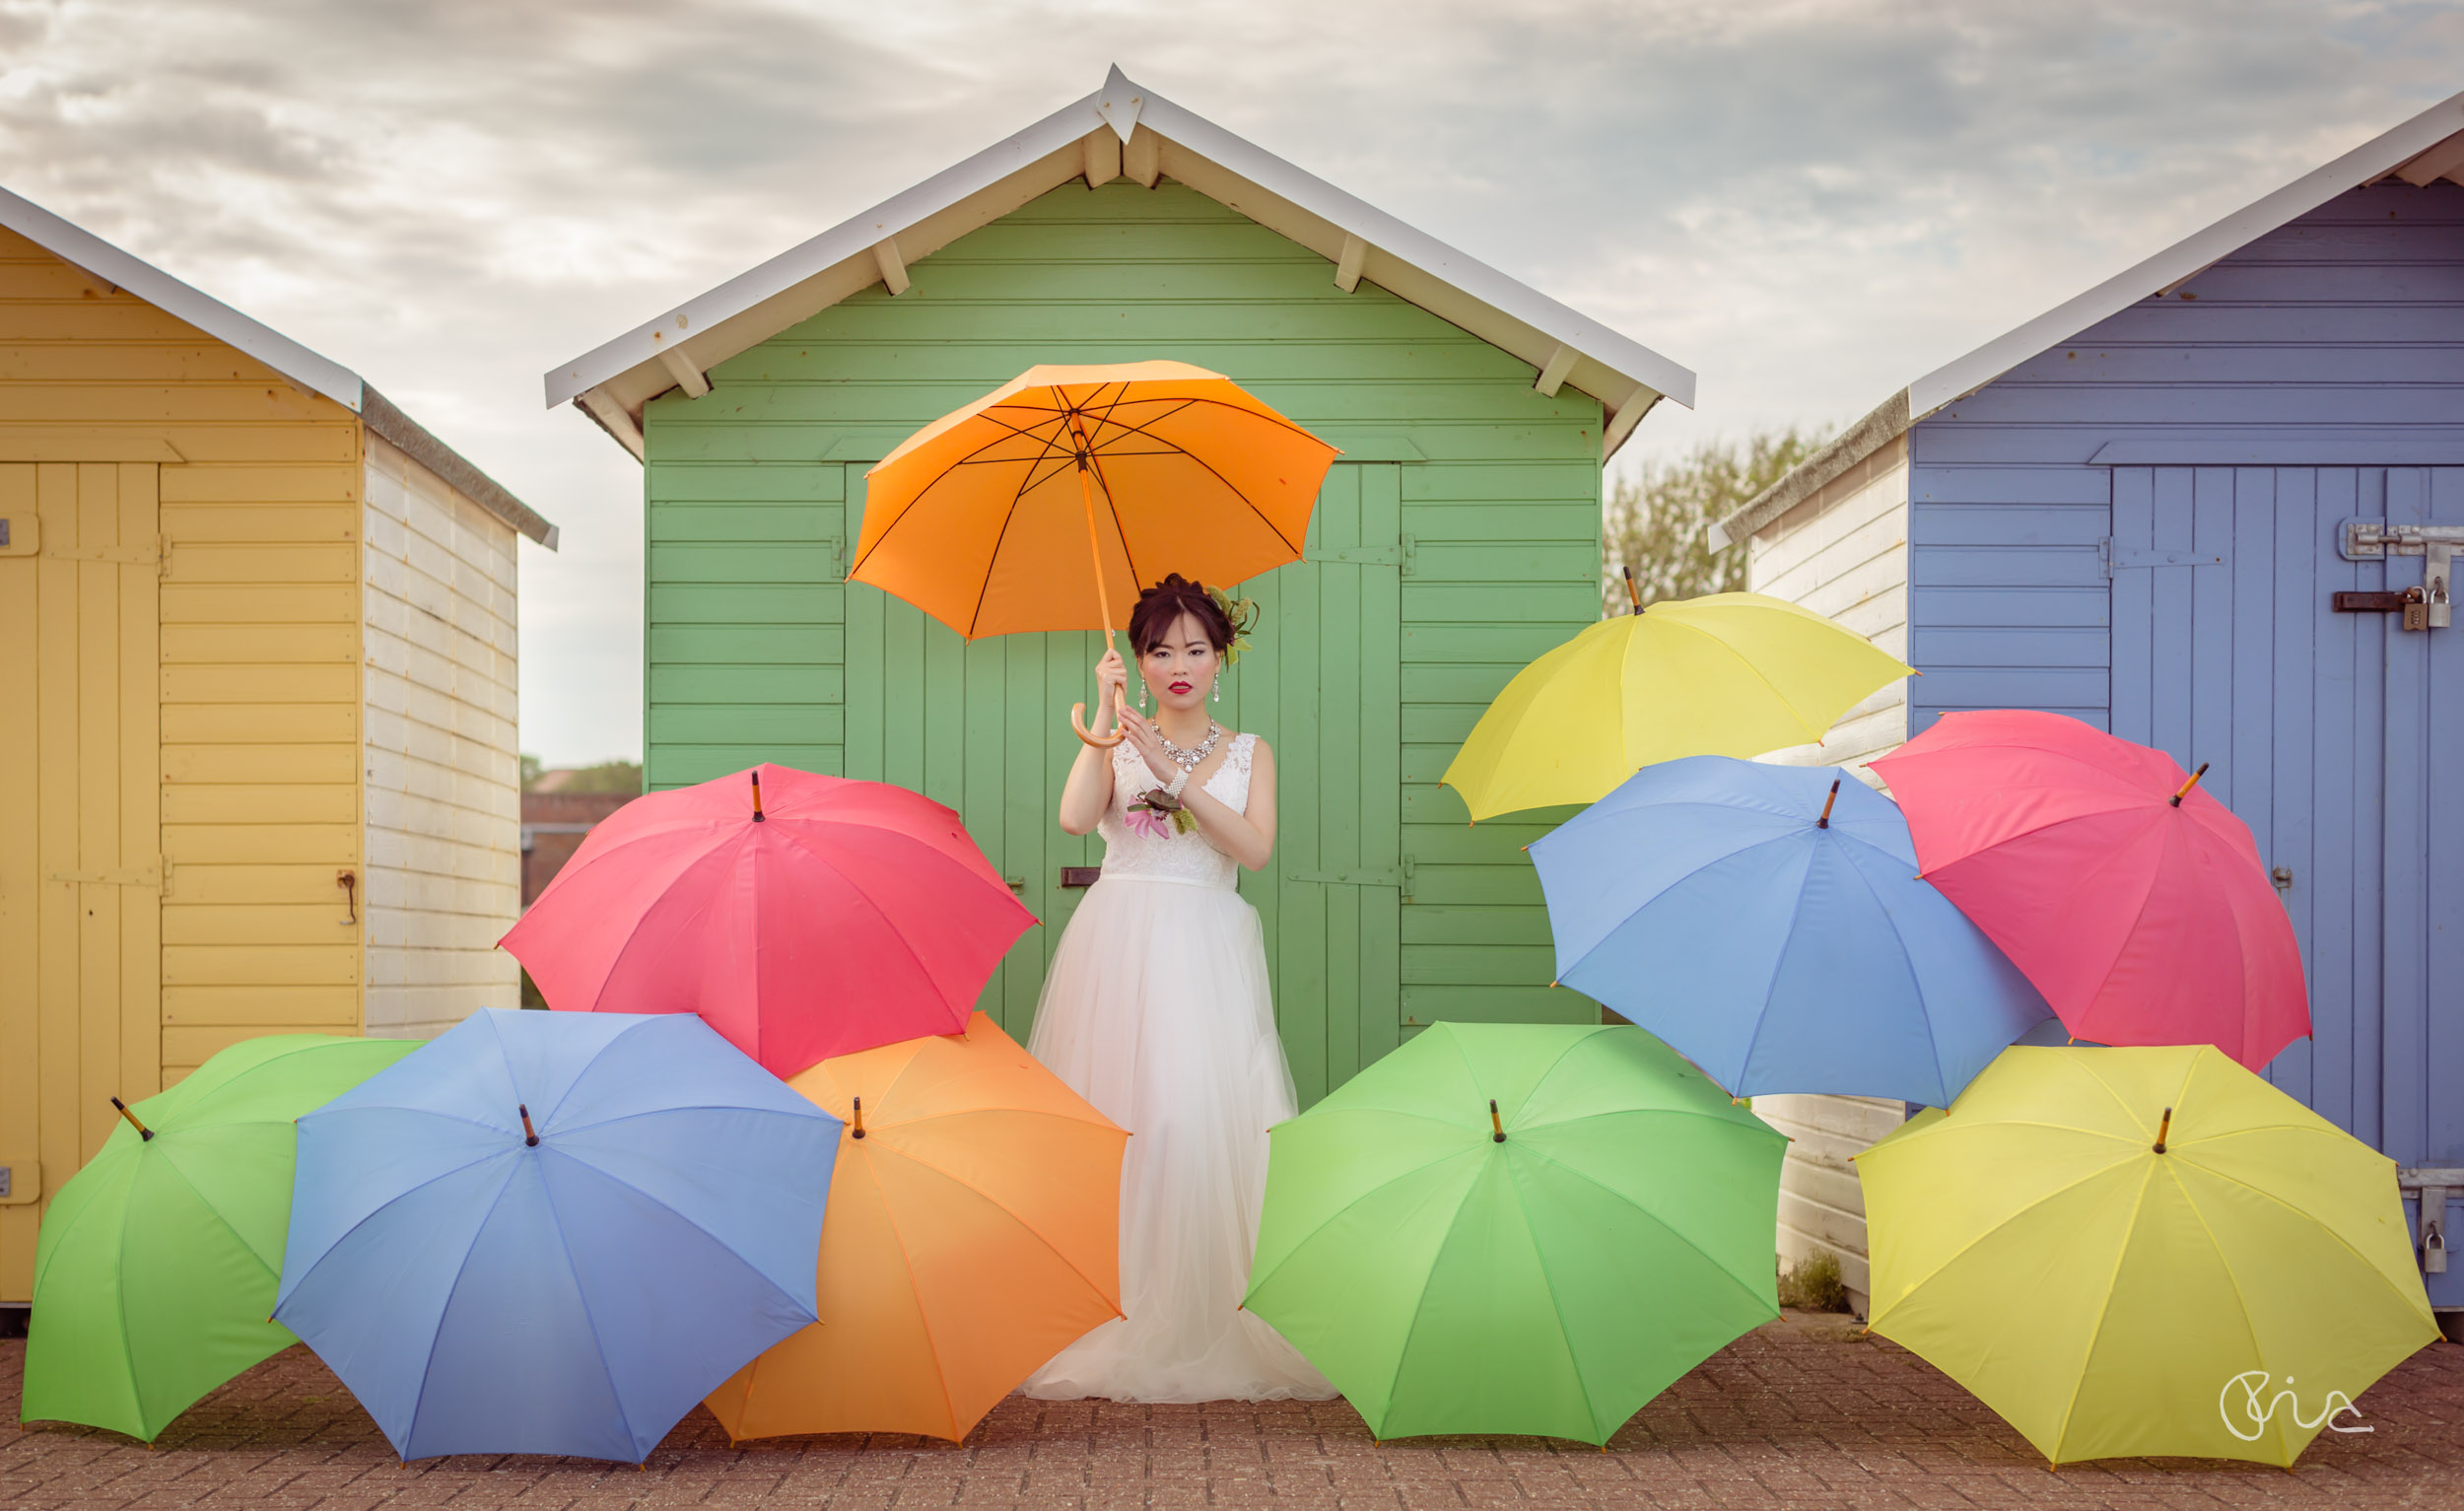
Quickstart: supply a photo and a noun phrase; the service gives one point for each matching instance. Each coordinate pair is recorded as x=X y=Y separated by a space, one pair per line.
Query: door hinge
x=152 y=877
x=153 y=555
x=1398 y=877
x=1397 y=555
x=2123 y=558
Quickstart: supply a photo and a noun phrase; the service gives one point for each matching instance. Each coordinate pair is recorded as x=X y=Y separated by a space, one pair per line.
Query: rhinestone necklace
x=1187 y=760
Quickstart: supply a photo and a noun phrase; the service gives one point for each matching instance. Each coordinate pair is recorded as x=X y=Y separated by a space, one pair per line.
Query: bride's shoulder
x=1253 y=748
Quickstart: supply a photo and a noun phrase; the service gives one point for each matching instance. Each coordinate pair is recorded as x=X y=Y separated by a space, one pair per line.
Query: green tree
x=1658 y=522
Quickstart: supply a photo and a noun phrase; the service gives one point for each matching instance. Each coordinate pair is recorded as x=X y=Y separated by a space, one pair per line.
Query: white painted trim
x=2372 y=159
x=893 y=266
x=611 y=415
x=93 y=254
x=2444 y=160
x=1348 y=266
x=1553 y=373
x=692 y=379
x=1158 y=137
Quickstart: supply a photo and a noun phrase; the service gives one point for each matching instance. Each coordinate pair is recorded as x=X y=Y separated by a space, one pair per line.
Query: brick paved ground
x=1806 y=1412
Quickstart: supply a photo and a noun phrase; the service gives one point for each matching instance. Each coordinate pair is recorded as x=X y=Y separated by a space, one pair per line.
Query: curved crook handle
x=1079 y=725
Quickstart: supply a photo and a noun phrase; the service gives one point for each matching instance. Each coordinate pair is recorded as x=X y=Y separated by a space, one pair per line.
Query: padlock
x=2416 y=610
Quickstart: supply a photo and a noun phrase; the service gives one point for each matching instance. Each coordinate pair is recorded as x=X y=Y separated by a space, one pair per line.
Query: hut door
x=2329 y=734
x=1323 y=685
x=81 y=834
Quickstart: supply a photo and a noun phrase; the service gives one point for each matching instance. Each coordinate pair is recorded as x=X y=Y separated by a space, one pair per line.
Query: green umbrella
x=1518 y=1228
x=155 y=1273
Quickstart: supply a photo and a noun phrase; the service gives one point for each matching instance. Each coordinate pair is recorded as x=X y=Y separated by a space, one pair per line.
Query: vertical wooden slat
x=2134 y=606
x=1300 y=963
x=2367 y=798
x=2174 y=593
x=140 y=763
x=1255 y=700
x=2336 y=722
x=2250 y=740
x=2443 y=900
x=2299 y=607
x=23 y=1063
x=2403 y=911
x=1381 y=790
x=98 y=805
x=865 y=606
x=1031 y=792
x=2211 y=630
x=1340 y=754
x=58 y=783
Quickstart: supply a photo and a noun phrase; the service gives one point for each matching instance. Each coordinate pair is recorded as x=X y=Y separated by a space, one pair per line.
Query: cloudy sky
x=1807 y=201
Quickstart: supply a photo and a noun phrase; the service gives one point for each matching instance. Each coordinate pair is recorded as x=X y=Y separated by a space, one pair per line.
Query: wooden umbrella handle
x=1103 y=609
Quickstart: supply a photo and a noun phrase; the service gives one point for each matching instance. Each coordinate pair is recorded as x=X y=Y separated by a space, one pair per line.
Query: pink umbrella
x=801 y=915
x=2135 y=902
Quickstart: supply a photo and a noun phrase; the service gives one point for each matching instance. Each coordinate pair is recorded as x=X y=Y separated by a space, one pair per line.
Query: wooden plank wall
x=1500 y=495
x=2343 y=327
x=258 y=640
x=444 y=775
x=1842 y=552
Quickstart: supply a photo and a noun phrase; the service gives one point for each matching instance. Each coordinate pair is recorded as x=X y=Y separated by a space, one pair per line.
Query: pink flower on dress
x=1148 y=822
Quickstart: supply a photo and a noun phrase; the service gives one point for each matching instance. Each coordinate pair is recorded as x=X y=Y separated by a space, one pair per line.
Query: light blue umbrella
x=553 y=1232
x=1777 y=935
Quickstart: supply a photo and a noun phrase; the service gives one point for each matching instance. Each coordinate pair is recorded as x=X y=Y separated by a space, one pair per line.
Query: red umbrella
x=2135 y=902
x=801 y=915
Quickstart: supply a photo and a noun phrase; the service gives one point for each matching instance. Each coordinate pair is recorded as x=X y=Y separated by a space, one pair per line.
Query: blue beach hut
x=2189 y=507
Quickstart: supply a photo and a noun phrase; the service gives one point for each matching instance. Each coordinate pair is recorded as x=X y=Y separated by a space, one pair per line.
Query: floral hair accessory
x=1241 y=614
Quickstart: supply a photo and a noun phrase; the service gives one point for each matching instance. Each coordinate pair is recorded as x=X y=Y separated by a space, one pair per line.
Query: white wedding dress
x=1156 y=1010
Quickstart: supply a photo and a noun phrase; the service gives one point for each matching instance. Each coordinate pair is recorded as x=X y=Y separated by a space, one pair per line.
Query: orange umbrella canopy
x=972 y=1232
x=983 y=521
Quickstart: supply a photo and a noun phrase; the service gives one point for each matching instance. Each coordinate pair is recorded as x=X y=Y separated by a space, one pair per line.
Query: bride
x=1157 y=1011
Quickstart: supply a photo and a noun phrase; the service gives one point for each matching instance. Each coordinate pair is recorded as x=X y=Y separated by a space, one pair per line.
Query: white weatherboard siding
x=1841 y=552
x=444 y=847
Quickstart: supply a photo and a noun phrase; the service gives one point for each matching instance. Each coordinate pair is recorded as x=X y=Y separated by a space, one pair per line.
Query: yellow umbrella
x=1733 y=674
x=2141 y=1251
x=1045 y=504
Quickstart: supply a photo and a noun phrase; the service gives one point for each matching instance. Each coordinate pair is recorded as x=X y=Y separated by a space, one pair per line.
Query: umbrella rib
x=907 y=1265
x=2104 y=1313
x=1663 y=1223
x=1398 y=1177
x=616 y=964
x=1565 y=1330
x=996 y=1203
x=1952 y=1258
x=2147 y=900
x=1924 y=1009
x=1011 y=432
x=1009 y=517
x=565 y=1244
x=429 y=1368
x=1112 y=507
x=1779 y=958
x=120 y=1308
x=2264 y=1195
x=1676 y=622
x=1228 y=484
x=883 y=913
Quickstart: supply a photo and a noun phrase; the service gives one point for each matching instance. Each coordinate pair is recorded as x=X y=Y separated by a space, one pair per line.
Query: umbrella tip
x=530 y=1135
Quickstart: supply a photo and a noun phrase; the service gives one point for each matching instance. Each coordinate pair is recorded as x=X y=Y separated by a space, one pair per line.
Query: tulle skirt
x=1156 y=1010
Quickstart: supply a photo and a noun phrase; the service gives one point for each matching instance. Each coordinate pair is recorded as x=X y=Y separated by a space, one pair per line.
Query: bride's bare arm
x=1247 y=837
x=1088 y=791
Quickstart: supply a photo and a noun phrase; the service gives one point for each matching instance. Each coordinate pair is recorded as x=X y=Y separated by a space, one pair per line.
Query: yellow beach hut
x=257 y=760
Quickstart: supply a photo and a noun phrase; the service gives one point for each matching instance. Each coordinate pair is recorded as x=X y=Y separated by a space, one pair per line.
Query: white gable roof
x=1119 y=130
x=2424 y=148
x=83 y=249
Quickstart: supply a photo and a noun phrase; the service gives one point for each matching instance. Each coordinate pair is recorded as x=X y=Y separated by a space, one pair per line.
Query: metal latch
x=2435 y=1186
x=2372 y=540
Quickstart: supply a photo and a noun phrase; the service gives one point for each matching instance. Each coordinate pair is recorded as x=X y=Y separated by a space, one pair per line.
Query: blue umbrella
x=1768 y=922
x=553 y=1232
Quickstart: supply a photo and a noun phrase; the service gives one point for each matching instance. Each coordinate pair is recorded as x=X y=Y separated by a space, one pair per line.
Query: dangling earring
x=1218 y=685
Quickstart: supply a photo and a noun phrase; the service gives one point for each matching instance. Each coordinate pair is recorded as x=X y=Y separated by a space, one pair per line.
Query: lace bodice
x=1190 y=857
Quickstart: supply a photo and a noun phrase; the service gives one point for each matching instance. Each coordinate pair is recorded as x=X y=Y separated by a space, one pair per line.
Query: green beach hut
x=1458 y=537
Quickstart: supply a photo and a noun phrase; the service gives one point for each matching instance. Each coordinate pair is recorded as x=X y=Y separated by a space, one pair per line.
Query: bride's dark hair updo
x=1161 y=606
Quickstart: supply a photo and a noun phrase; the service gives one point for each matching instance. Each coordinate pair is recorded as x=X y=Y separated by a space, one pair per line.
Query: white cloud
x=1809 y=201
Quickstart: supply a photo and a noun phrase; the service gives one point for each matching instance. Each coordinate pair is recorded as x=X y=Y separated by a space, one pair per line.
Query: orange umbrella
x=972 y=1232
x=1049 y=501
